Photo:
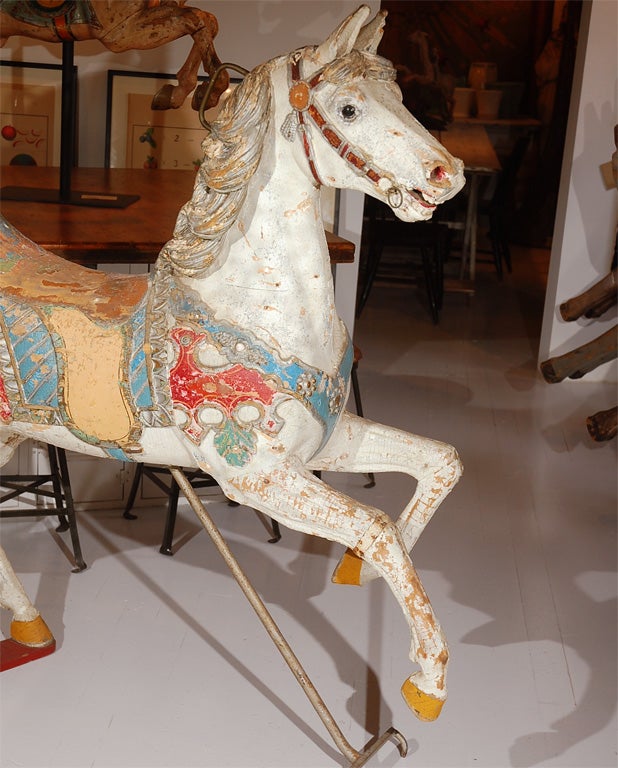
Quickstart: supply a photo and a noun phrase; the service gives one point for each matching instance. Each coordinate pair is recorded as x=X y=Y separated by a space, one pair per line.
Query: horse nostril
x=438 y=174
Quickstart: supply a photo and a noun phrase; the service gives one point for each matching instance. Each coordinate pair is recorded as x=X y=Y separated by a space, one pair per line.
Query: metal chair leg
x=359 y=410
x=137 y=478
x=60 y=468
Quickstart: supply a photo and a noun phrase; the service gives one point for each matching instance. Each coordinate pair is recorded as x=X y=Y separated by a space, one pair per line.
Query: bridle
x=305 y=111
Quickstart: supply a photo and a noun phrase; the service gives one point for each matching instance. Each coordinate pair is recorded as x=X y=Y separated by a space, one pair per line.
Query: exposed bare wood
x=580 y=361
x=593 y=302
x=602 y=425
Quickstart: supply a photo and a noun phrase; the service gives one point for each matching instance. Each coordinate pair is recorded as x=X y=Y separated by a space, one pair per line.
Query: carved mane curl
x=232 y=152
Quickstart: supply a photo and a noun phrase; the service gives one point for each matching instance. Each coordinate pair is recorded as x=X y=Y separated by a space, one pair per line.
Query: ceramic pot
x=482 y=73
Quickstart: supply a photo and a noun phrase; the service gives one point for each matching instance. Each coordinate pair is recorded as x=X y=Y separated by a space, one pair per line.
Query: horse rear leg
x=359 y=445
x=162 y=24
x=294 y=497
x=27 y=628
x=8 y=443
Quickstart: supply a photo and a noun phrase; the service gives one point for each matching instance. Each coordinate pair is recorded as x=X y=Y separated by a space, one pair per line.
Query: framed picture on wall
x=30 y=113
x=139 y=137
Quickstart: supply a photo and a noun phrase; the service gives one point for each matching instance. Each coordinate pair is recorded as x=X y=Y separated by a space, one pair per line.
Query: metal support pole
x=67 y=131
x=356 y=759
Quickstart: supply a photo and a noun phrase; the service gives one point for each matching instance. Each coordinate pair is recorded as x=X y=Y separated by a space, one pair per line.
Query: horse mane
x=358 y=64
x=232 y=152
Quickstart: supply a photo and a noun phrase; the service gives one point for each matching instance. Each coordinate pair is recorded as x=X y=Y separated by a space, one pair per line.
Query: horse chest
x=225 y=380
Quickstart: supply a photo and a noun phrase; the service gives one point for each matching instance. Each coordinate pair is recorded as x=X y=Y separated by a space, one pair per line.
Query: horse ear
x=371 y=34
x=342 y=40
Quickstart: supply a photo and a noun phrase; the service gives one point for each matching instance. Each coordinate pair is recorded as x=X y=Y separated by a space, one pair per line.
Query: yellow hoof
x=424 y=705
x=34 y=633
x=348 y=569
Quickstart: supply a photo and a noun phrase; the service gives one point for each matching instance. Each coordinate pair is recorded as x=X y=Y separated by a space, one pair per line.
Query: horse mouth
x=418 y=196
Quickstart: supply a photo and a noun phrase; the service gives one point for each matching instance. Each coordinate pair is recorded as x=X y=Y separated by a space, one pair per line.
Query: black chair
x=197 y=478
x=60 y=492
x=500 y=208
x=429 y=238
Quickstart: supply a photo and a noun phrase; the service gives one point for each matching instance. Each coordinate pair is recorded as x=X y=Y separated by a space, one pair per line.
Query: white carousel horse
x=124 y=25
x=231 y=356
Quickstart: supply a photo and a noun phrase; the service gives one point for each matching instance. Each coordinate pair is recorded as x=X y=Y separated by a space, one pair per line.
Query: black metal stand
x=64 y=194
x=61 y=492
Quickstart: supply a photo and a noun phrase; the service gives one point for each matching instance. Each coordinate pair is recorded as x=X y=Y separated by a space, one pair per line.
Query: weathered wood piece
x=125 y=25
x=578 y=362
x=593 y=302
x=602 y=425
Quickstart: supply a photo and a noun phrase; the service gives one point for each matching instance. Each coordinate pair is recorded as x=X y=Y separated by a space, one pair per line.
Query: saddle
x=31 y=274
x=86 y=319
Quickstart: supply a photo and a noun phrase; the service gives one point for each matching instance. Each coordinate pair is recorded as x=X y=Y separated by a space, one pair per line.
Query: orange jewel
x=300 y=96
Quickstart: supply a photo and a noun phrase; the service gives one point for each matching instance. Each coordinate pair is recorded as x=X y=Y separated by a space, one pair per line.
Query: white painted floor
x=161 y=662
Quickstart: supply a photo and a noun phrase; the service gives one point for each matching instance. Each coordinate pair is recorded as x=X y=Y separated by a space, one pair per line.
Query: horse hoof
x=424 y=705
x=163 y=97
x=348 y=570
x=35 y=633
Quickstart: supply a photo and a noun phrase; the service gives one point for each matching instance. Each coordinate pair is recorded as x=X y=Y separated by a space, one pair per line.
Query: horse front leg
x=359 y=445
x=290 y=494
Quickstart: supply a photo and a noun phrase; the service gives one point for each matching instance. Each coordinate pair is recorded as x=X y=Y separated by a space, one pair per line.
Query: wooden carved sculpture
x=592 y=303
x=231 y=355
x=123 y=25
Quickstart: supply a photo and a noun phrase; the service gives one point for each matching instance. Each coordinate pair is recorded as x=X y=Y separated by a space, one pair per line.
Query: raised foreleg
x=292 y=495
x=359 y=445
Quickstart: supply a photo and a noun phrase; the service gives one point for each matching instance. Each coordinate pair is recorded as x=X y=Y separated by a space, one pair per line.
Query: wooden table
x=91 y=236
x=471 y=144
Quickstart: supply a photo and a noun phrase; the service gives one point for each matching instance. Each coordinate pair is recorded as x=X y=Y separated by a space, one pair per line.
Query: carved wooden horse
x=123 y=25
x=231 y=355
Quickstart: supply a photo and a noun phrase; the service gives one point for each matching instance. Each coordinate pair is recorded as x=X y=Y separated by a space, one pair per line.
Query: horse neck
x=275 y=277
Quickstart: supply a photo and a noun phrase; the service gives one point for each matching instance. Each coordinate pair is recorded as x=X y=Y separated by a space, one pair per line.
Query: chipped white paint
x=243 y=297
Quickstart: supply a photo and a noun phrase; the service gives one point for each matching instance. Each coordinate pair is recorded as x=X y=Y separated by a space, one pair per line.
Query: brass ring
x=211 y=83
x=395 y=198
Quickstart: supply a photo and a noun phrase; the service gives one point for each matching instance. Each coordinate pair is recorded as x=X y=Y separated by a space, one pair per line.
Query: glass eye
x=348 y=112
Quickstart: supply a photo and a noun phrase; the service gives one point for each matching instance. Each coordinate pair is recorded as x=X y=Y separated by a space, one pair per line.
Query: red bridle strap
x=302 y=102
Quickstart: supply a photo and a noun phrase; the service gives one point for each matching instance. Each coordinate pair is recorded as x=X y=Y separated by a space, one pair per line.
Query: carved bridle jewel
x=304 y=110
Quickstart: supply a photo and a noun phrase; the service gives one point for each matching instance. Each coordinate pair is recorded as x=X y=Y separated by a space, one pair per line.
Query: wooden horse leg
x=30 y=635
x=8 y=443
x=295 y=497
x=359 y=445
x=356 y=759
x=163 y=24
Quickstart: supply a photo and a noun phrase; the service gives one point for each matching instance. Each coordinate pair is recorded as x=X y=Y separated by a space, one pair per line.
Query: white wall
x=587 y=214
x=250 y=32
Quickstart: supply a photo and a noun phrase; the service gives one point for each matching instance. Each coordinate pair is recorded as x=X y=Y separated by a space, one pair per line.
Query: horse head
x=347 y=118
